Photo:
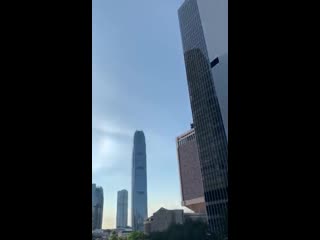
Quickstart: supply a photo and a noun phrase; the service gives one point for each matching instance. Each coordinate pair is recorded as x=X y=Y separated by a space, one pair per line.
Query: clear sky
x=139 y=83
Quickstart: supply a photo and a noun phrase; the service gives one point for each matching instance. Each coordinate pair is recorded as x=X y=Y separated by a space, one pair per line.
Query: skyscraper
x=97 y=207
x=190 y=173
x=139 y=205
x=204 y=33
x=122 y=209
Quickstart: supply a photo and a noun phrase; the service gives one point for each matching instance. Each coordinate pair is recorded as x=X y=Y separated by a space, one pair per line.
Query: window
x=214 y=62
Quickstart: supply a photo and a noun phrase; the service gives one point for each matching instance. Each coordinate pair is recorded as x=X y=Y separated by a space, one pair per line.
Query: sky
x=138 y=83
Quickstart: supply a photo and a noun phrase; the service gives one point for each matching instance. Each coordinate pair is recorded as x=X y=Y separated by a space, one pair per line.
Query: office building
x=204 y=33
x=122 y=209
x=190 y=173
x=97 y=207
x=139 y=210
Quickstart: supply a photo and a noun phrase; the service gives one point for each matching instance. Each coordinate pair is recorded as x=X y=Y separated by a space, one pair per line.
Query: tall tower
x=139 y=205
x=204 y=33
x=97 y=207
x=122 y=209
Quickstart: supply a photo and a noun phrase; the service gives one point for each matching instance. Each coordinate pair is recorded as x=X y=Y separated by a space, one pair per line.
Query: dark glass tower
x=209 y=127
x=97 y=207
x=139 y=210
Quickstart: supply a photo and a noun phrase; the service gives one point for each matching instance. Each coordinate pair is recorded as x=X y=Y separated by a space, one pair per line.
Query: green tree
x=137 y=236
x=190 y=230
x=113 y=236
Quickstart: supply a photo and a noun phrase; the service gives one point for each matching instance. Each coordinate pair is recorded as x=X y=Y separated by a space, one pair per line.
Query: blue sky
x=139 y=82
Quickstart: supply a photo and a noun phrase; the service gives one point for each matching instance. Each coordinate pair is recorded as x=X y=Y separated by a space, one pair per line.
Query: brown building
x=190 y=173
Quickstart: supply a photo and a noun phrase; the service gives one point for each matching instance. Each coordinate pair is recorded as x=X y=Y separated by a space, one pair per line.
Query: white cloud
x=109 y=127
x=111 y=143
x=103 y=153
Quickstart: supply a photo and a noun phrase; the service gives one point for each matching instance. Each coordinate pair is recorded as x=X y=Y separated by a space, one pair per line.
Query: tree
x=137 y=236
x=113 y=236
x=190 y=230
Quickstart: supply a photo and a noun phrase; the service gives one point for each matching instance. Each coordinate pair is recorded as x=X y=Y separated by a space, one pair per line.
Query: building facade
x=122 y=209
x=139 y=211
x=190 y=174
x=100 y=234
x=162 y=219
x=196 y=217
x=204 y=33
x=125 y=232
x=97 y=207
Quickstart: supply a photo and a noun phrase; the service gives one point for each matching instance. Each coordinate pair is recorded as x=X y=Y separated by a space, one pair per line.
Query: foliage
x=113 y=236
x=190 y=230
x=137 y=236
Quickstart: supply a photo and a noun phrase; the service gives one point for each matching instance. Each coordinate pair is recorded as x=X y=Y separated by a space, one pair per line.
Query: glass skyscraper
x=204 y=33
x=97 y=207
x=139 y=210
x=122 y=209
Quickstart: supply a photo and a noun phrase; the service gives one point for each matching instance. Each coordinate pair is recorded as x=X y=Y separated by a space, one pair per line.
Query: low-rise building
x=162 y=219
x=99 y=234
x=123 y=232
x=196 y=217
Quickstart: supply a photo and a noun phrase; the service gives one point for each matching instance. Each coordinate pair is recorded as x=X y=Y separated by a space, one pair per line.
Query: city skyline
x=139 y=82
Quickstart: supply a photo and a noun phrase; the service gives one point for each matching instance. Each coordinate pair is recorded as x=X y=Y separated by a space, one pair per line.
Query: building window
x=214 y=62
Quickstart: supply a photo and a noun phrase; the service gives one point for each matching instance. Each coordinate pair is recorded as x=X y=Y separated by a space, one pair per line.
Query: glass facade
x=122 y=209
x=210 y=132
x=97 y=207
x=139 y=182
